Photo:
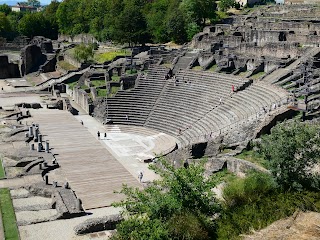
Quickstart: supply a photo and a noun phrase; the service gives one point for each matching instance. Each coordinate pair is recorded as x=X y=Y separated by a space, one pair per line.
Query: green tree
x=34 y=3
x=34 y=24
x=293 y=151
x=130 y=26
x=198 y=11
x=50 y=14
x=5 y=27
x=178 y=206
x=14 y=18
x=83 y=53
x=156 y=20
x=5 y=9
x=69 y=17
x=176 y=26
x=224 y=5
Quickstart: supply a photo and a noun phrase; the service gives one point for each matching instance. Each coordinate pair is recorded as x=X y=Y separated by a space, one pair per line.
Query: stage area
x=95 y=167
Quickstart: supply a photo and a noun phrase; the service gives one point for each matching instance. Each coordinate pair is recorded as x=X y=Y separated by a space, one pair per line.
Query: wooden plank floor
x=93 y=173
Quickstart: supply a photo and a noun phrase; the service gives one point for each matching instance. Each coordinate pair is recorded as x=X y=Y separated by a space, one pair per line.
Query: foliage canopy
x=293 y=150
x=179 y=205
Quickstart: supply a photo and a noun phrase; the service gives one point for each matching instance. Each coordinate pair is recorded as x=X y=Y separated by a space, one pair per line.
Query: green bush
x=256 y=201
x=188 y=226
x=249 y=189
x=241 y=219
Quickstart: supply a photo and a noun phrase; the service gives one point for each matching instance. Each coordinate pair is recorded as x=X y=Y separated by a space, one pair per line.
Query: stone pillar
x=36 y=134
x=54 y=184
x=26 y=135
x=40 y=138
x=47 y=147
x=40 y=166
x=39 y=147
x=31 y=146
x=30 y=131
x=46 y=179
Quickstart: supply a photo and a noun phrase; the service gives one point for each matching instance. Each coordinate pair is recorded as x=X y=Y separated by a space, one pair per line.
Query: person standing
x=98 y=133
x=140 y=176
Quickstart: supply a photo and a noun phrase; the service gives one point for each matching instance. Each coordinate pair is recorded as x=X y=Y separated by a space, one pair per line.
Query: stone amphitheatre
x=210 y=97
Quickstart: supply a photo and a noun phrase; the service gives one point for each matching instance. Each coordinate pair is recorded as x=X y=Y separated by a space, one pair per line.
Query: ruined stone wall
x=49 y=65
x=206 y=40
x=32 y=58
x=80 y=38
x=279 y=50
x=7 y=69
x=72 y=61
x=261 y=37
x=82 y=98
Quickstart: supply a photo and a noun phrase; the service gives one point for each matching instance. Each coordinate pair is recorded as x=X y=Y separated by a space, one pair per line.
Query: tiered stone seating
x=188 y=98
x=238 y=108
x=132 y=107
x=188 y=107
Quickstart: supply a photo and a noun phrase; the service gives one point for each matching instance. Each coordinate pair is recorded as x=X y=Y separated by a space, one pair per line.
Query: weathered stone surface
x=32 y=58
x=98 y=224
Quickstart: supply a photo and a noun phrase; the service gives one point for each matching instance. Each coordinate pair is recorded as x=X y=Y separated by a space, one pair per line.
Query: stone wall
x=32 y=58
x=49 y=65
x=83 y=99
x=71 y=60
x=80 y=38
x=8 y=69
x=232 y=164
x=279 y=50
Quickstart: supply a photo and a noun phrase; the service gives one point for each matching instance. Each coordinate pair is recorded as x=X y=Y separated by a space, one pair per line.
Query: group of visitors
x=99 y=134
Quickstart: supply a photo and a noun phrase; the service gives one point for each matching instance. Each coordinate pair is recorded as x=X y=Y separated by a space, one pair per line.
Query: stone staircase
x=184 y=61
x=133 y=107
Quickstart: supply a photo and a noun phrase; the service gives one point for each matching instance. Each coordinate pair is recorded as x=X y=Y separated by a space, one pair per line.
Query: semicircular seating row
x=188 y=105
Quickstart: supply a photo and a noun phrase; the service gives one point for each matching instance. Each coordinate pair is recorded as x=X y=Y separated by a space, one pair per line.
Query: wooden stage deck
x=93 y=173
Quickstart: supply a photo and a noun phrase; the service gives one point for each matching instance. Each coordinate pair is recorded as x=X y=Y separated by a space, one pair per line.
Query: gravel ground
x=32 y=203
x=63 y=229
x=30 y=217
x=19 y=193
